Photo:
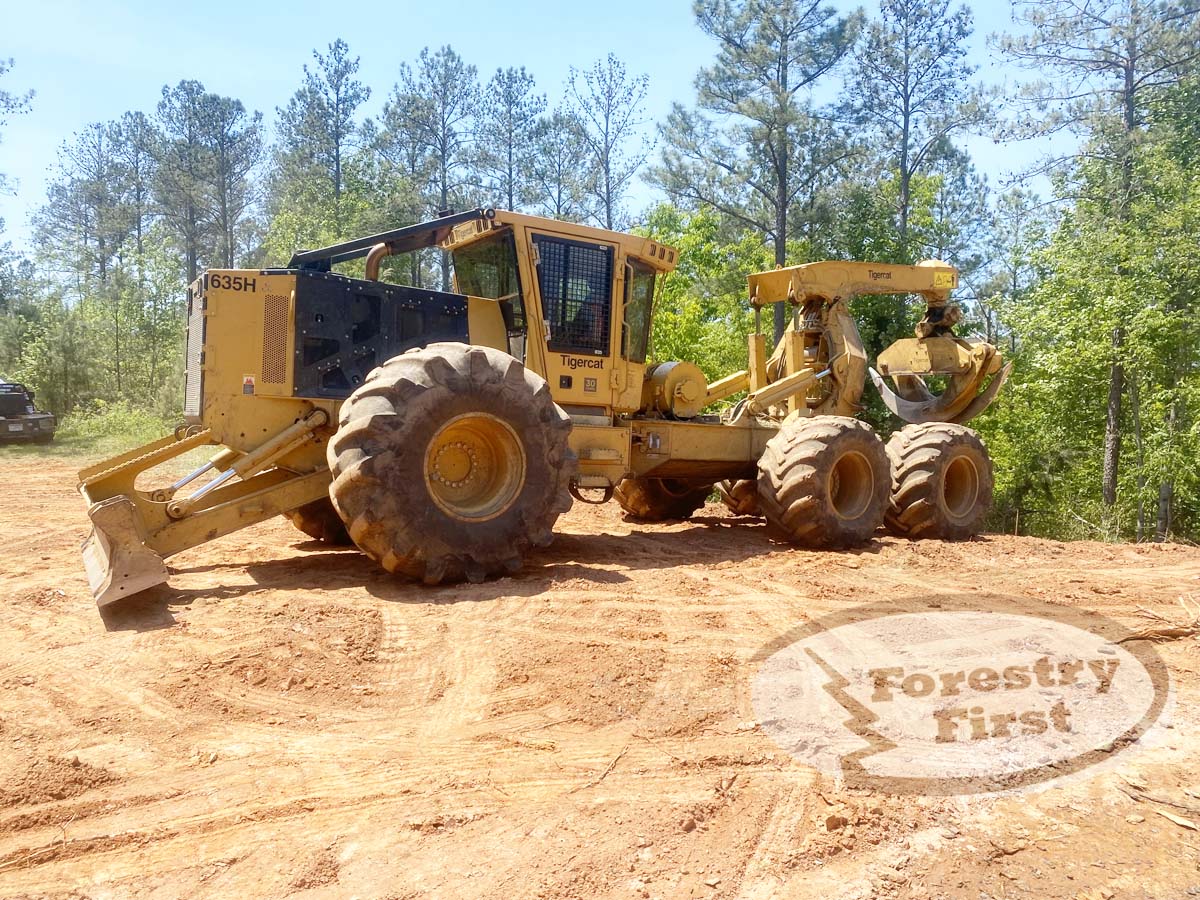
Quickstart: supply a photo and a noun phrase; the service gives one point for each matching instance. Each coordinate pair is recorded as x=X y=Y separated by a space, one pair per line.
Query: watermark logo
x=951 y=701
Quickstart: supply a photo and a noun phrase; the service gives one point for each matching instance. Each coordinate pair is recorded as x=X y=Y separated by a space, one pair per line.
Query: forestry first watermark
x=958 y=700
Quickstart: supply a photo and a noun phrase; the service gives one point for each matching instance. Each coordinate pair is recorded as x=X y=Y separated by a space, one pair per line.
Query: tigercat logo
x=879 y=276
x=958 y=701
x=581 y=362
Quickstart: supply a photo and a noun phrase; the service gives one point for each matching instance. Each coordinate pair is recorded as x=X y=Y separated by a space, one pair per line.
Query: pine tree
x=912 y=88
x=184 y=169
x=738 y=150
x=607 y=103
x=434 y=104
x=10 y=104
x=559 y=175
x=318 y=132
x=234 y=140
x=506 y=136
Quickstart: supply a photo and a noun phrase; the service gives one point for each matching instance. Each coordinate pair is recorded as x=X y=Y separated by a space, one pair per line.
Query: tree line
x=812 y=134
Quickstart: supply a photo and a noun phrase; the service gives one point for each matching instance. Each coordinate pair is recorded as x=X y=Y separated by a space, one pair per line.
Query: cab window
x=575 y=280
x=639 y=304
x=488 y=268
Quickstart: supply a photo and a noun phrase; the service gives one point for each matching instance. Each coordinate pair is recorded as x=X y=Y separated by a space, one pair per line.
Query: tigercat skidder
x=444 y=433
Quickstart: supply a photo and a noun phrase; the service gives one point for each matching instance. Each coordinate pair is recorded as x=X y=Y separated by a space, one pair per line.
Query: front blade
x=118 y=563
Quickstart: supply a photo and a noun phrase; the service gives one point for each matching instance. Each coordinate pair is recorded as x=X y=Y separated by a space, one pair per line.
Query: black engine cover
x=345 y=327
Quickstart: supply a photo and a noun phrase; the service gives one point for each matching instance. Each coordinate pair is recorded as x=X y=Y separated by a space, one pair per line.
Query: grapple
x=935 y=376
x=972 y=375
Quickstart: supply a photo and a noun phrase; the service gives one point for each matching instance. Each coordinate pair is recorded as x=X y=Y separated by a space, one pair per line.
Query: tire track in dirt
x=581 y=730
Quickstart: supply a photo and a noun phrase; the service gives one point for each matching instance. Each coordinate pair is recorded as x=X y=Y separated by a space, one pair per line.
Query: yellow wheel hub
x=851 y=485
x=960 y=486
x=475 y=467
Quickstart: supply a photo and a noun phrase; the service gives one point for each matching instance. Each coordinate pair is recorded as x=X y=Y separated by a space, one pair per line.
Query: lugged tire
x=659 y=499
x=321 y=522
x=942 y=482
x=741 y=496
x=387 y=462
x=824 y=481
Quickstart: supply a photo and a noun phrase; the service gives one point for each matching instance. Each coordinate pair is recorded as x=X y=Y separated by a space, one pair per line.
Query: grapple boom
x=822 y=337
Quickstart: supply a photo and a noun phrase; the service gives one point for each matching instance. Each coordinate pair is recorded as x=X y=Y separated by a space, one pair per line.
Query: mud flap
x=118 y=562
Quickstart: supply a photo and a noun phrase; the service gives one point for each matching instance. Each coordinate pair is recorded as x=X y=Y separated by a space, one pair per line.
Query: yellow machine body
x=273 y=353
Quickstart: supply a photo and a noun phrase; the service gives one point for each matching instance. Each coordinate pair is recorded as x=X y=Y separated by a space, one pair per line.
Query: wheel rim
x=851 y=485
x=960 y=486
x=475 y=467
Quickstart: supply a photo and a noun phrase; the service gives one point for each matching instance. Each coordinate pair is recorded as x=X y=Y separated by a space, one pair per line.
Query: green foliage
x=110 y=426
x=97 y=429
x=1139 y=274
x=703 y=314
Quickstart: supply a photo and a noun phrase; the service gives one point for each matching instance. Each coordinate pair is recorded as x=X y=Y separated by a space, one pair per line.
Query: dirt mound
x=41 y=780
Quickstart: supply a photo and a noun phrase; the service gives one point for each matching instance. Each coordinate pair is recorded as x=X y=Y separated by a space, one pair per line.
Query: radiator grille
x=193 y=386
x=275 y=322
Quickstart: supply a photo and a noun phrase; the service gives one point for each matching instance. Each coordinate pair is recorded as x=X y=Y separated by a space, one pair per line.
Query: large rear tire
x=824 y=481
x=321 y=522
x=660 y=499
x=451 y=462
x=942 y=482
x=741 y=496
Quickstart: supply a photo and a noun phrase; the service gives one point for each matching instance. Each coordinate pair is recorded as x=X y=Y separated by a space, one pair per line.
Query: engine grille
x=275 y=326
x=193 y=394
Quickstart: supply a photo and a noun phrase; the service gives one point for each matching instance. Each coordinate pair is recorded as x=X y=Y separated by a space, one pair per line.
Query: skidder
x=444 y=432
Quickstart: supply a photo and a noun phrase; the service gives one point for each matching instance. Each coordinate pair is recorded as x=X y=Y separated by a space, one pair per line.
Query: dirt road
x=289 y=721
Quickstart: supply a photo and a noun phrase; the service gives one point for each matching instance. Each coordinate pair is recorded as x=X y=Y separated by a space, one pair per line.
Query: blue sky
x=93 y=61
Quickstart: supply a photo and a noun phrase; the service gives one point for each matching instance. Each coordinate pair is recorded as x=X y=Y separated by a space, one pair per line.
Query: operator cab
x=577 y=301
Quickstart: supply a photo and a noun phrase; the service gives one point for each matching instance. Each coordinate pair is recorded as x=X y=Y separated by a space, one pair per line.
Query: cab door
x=576 y=290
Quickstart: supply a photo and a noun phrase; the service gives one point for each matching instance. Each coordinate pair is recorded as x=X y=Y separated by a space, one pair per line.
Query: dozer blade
x=118 y=563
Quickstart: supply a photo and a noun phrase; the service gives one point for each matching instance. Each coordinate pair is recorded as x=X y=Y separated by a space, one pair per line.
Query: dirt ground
x=289 y=721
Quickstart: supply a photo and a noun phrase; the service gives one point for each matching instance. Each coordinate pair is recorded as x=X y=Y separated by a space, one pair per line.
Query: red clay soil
x=287 y=720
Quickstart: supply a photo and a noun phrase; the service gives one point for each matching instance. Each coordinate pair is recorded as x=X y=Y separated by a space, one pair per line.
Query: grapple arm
x=819 y=293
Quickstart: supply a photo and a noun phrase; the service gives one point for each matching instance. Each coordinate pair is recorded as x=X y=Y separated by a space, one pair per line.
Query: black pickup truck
x=20 y=420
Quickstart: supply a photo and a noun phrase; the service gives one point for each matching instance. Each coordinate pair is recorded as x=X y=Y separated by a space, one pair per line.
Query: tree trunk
x=1135 y=413
x=1166 y=488
x=1166 y=493
x=779 y=312
x=1112 y=426
x=781 y=194
x=445 y=205
x=905 y=139
x=512 y=176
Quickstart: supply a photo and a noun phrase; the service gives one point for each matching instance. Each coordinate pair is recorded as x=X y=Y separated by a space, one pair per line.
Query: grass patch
x=98 y=430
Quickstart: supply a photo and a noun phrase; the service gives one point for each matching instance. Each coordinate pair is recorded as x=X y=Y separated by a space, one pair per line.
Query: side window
x=575 y=280
x=639 y=303
x=488 y=269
